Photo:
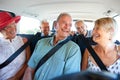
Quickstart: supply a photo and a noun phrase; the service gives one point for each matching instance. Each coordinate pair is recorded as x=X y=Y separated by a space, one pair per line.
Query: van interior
x=32 y=12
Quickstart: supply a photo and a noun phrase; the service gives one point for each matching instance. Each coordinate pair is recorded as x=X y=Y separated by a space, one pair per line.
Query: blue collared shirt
x=66 y=60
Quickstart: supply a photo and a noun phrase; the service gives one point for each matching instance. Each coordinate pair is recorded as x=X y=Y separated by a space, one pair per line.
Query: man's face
x=45 y=28
x=64 y=26
x=81 y=28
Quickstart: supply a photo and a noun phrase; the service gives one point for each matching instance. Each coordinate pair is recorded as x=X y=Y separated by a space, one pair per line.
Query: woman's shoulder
x=24 y=39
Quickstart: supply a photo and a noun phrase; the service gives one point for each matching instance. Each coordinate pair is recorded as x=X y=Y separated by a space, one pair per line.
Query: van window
x=117 y=18
x=28 y=25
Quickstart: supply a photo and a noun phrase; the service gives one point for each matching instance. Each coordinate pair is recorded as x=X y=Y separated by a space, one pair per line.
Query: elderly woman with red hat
x=9 y=43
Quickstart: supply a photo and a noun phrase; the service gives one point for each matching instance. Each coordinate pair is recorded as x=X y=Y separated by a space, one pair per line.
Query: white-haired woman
x=9 y=43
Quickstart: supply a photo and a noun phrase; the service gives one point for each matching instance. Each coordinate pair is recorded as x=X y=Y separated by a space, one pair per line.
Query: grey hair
x=61 y=15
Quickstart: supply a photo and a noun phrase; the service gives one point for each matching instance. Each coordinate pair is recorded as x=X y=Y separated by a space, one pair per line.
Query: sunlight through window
x=28 y=25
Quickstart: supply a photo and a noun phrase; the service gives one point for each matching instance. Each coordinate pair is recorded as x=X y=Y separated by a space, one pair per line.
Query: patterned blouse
x=114 y=68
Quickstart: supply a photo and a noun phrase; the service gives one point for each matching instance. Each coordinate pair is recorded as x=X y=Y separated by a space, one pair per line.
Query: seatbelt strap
x=51 y=52
x=13 y=56
x=93 y=53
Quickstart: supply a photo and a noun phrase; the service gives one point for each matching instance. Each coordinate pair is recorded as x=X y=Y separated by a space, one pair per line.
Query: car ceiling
x=50 y=9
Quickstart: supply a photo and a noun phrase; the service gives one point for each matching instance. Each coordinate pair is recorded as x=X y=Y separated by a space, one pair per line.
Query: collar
x=52 y=40
x=42 y=34
x=12 y=40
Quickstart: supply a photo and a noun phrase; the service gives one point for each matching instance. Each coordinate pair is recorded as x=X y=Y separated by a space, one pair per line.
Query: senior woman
x=9 y=43
x=103 y=34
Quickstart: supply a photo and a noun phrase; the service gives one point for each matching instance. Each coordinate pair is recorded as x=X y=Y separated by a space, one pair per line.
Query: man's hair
x=81 y=21
x=43 y=21
x=61 y=15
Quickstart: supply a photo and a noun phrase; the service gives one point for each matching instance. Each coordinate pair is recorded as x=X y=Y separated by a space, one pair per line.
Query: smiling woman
x=9 y=44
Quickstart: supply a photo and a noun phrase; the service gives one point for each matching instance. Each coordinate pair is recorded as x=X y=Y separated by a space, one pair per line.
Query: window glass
x=31 y=25
x=28 y=25
x=117 y=18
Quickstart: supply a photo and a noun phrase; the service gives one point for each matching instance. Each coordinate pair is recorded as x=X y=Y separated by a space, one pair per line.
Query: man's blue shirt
x=66 y=60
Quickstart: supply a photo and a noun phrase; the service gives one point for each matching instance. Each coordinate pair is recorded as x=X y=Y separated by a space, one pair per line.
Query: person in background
x=109 y=53
x=44 y=32
x=66 y=60
x=81 y=28
x=9 y=43
x=45 y=28
x=54 y=27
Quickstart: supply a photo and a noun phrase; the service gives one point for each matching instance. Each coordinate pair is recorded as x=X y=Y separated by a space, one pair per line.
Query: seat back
x=33 y=39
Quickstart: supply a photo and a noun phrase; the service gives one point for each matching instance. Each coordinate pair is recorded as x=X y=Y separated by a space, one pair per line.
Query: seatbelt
x=51 y=52
x=15 y=54
x=93 y=53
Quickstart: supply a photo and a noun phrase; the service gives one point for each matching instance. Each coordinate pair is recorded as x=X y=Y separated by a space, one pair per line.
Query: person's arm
x=28 y=51
x=28 y=54
x=85 y=60
x=29 y=74
x=21 y=72
x=73 y=61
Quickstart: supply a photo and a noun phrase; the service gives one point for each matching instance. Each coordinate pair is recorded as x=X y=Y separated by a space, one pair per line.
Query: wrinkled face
x=64 y=26
x=10 y=30
x=81 y=28
x=45 y=28
x=100 y=34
